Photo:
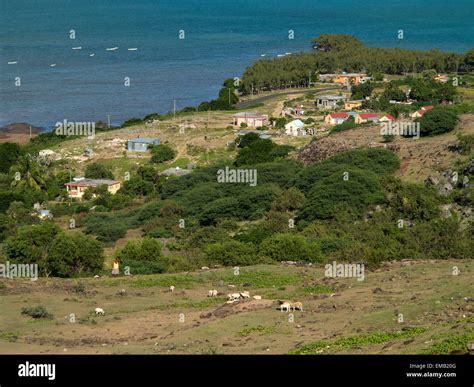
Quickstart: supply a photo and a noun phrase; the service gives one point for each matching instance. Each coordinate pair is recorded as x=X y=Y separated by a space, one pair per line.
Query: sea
x=71 y=59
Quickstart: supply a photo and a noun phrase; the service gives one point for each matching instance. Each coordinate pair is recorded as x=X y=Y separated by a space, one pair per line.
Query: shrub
x=231 y=253
x=466 y=143
x=106 y=230
x=438 y=120
x=98 y=171
x=161 y=153
x=37 y=312
x=332 y=194
x=143 y=256
x=290 y=247
x=31 y=245
x=75 y=254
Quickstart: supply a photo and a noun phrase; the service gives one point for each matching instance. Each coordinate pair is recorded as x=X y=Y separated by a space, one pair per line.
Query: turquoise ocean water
x=221 y=39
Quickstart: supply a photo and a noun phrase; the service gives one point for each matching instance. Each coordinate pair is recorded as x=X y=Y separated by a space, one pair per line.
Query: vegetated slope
x=419 y=157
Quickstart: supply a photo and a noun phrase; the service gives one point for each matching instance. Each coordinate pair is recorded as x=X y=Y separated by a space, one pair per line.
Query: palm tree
x=28 y=173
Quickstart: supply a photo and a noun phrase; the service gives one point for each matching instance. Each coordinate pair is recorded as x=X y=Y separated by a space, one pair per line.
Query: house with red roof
x=387 y=118
x=336 y=118
x=362 y=118
x=421 y=112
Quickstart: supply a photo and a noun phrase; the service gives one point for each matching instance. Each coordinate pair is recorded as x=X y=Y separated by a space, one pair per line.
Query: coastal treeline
x=333 y=53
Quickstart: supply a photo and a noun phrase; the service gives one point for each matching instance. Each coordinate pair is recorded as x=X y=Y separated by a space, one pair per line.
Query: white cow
x=234 y=297
x=285 y=306
x=171 y=288
x=213 y=293
x=245 y=294
x=99 y=311
x=296 y=306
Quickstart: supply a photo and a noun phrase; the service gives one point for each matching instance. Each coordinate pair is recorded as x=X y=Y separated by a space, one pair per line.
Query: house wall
x=137 y=147
x=78 y=192
x=352 y=105
x=113 y=188
x=253 y=122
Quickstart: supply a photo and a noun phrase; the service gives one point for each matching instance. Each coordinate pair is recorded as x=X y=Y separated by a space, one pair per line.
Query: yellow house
x=351 y=105
x=349 y=79
x=367 y=117
x=76 y=189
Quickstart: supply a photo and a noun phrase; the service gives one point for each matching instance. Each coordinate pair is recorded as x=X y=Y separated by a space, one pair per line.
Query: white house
x=295 y=128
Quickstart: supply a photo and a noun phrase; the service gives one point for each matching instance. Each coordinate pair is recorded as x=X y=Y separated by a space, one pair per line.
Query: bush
x=231 y=253
x=74 y=255
x=332 y=194
x=105 y=230
x=143 y=256
x=290 y=247
x=31 y=245
x=37 y=312
x=161 y=153
x=437 y=121
x=98 y=171
x=466 y=143
x=261 y=151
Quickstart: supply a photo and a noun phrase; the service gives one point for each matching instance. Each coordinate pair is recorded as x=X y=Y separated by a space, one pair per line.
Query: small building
x=299 y=110
x=366 y=117
x=336 y=118
x=176 y=171
x=251 y=119
x=350 y=79
x=77 y=188
x=421 y=112
x=295 y=128
x=141 y=144
x=387 y=118
x=355 y=104
x=44 y=214
x=329 y=102
x=443 y=78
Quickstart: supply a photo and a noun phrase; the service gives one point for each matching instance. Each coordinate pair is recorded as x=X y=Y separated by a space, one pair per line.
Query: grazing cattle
x=285 y=306
x=171 y=288
x=257 y=297
x=234 y=297
x=212 y=293
x=245 y=294
x=296 y=306
x=99 y=311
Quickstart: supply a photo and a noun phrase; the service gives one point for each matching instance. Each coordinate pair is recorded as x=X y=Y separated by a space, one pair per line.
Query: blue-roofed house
x=141 y=144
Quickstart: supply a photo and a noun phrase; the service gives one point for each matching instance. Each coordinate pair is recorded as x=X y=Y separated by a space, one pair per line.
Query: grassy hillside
x=340 y=315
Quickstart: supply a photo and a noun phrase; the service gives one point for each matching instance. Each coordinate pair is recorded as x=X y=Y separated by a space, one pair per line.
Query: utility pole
x=229 y=94
x=108 y=121
x=174 y=109
x=309 y=82
x=30 y=132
